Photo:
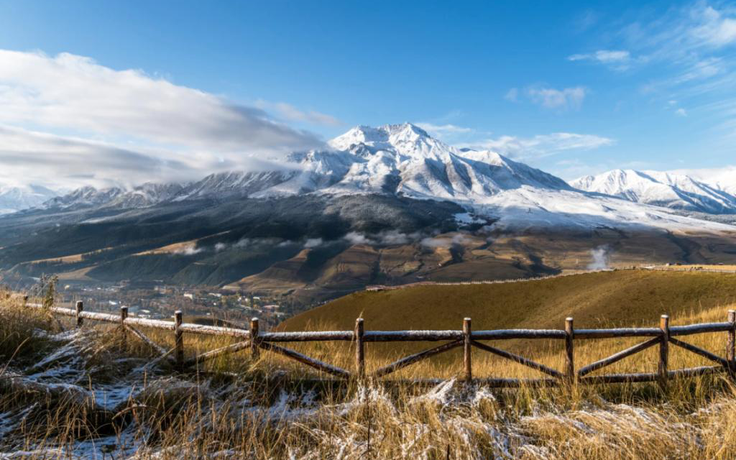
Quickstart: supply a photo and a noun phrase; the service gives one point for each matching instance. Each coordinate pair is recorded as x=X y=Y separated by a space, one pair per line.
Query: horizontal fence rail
x=467 y=339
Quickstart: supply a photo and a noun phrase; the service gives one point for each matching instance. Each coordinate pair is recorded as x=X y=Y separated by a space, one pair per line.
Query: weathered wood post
x=254 y=340
x=123 y=316
x=570 y=376
x=179 y=339
x=359 y=348
x=25 y=300
x=664 y=350
x=79 y=309
x=467 y=347
x=731 y=345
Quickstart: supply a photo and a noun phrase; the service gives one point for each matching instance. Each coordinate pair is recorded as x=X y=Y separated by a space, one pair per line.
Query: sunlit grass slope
x=616 y=298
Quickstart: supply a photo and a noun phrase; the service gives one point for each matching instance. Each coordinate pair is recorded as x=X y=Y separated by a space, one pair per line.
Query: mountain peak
x=405 y=129
x=382 y=137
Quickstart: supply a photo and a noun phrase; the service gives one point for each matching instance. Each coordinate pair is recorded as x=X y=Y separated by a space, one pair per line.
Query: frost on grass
x=120 y=408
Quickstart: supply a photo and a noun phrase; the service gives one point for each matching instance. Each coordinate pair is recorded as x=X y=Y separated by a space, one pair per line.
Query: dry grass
x=234 y=407
x=616 y=298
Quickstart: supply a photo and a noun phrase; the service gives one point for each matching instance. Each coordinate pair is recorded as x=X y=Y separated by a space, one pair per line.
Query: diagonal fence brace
x=519 y=359
x=395 y=366
x=304 y=359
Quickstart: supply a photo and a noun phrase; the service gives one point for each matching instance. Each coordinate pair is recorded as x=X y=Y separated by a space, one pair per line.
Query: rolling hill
x=608 y=298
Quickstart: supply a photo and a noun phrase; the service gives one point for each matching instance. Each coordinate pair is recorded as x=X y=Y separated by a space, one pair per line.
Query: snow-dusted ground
x=470 y=418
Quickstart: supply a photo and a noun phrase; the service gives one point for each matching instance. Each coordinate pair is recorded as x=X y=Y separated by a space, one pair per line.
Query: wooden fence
x=255 y=340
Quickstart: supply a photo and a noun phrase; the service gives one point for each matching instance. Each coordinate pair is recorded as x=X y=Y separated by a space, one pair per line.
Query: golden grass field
x=612 y=298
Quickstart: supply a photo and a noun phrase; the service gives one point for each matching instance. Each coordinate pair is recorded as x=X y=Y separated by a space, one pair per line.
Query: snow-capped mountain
x=13 y=199
x=393 y=159
x=404 y=160
x=84 y=197
x=670 y=190
x=138 y=197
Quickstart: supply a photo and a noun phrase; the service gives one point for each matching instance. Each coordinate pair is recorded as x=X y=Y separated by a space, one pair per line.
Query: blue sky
x=570 y=87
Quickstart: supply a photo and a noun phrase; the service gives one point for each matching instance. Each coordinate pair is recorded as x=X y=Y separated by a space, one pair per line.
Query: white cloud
x=681 y=112
x=60 y=162
x=313 y=243
x=444 y=242
x=567 y=98
x=713 y=28
x=615 y=59
x=604 y=56
x=357 y=238
x=93 y=122
x=291 y=113
x=512 y=95
x=543 y=145
x=386 y=237
x=189 y=250
x=444 y=131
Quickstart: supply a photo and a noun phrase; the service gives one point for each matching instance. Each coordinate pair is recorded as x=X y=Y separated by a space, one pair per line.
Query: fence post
x=254 y=341
x=79 y=309
x=467 y=347
x=359 y=348
x=570 y=376
x=179 y=339
x=662 y=370
x=731 y=346
x=25 y=300
x=123 y=316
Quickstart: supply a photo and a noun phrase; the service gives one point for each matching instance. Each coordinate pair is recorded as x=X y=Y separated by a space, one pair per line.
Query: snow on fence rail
x=253 y=339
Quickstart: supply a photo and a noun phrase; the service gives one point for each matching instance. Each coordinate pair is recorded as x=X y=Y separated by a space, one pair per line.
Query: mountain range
x=666 y=189
x=387 y=204
x=404 y=160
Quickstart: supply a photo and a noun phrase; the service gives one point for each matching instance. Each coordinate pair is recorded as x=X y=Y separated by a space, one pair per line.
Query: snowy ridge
x=670 y=190
x=139 y=197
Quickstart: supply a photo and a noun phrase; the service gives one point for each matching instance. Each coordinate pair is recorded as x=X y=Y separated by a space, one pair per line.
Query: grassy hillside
x=622 y=297
x=93 y=392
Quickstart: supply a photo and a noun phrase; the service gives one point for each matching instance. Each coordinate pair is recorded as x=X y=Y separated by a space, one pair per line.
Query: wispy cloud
x=543 y=145
x=291 y=113
x=444 y=131
x=687 y=52
x=619 y=59
x=65 y=161
x=550 y=98
x=512 y=95
x=561 y=99
x=585 y=20
x=110 y=122
x=715 y=27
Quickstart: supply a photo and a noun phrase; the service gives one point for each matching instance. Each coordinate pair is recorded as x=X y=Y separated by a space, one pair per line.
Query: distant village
x=157 y=300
